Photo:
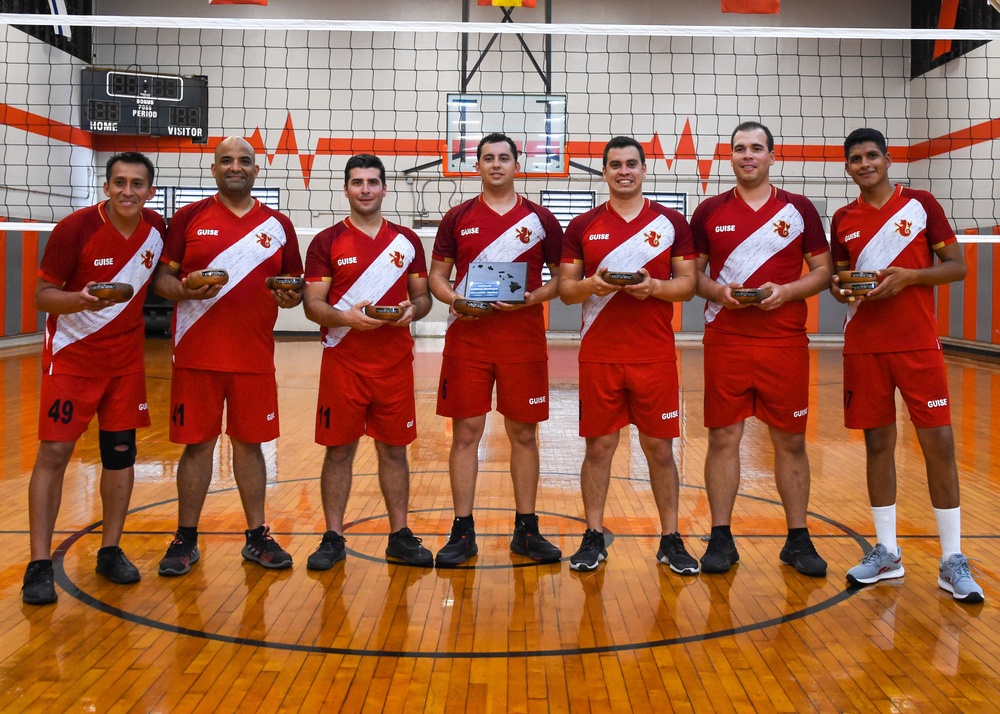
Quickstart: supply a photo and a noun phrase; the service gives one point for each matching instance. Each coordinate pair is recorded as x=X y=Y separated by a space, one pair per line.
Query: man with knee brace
x=93 y=362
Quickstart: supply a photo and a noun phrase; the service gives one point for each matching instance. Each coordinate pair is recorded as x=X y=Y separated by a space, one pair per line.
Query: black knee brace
x=114 y=458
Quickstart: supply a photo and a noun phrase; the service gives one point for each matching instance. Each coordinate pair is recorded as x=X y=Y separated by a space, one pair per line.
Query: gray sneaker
x=955 y=576
x=877 y=565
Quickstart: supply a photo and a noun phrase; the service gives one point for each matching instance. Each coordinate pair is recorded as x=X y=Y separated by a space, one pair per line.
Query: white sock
x=949 y=522
x=885 y=527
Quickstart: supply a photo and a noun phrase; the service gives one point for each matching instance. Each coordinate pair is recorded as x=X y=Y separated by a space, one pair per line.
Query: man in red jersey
x=756 y=355
x=224 y=347
x=891 y=342
x=366 y=379
x=506 y=347
x=92 y=362
x=637 y=384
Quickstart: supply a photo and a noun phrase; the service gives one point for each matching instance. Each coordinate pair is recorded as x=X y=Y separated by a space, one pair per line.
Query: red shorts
x=68 y=402
x=466 y=389
x=870 y=382
x=352 y=404
x=197 y=397
x=770 y=383
x=644 y=394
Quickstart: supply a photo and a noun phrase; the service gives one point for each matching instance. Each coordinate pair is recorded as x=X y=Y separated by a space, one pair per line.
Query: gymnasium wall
x=294 y=98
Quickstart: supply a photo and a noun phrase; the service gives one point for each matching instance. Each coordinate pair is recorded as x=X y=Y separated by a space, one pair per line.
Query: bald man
x=224 y=347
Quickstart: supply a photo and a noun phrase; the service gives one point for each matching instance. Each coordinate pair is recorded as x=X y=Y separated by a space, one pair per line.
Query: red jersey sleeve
x=445 y=245
x=572 y=248
x=837 y=248
x=553 y=243
x=62 y=252
x=175 y=242
x=318 y=265
x=291 y=257
x=702 y=214
x=813 y=236
x=939 y=231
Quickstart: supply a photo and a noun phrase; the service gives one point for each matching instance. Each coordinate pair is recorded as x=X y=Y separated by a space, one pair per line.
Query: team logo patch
x=397 y=258
x=147 y=259
x=264 y=239
x=524 y=234
x=782 y=228
x=653 y=238
x=904 y=228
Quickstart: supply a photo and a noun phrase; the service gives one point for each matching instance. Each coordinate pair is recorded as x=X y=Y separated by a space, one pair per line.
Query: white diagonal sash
x=239 y=260
x=74 y=327
x=375 y=282
x=759 y=247
x=507 y=248
x=886 y=245
x=631 y=255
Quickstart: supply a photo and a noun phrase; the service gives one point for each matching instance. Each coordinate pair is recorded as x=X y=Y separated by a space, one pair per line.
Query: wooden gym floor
x=502 y=634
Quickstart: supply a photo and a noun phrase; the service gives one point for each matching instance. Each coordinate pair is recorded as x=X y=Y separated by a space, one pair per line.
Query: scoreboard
x=139 y=103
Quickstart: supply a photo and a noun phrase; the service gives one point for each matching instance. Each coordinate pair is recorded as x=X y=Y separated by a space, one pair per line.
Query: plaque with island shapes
x=497 y=282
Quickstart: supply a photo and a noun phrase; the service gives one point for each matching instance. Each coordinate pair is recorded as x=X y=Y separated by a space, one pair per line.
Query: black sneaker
x=592 y=551
x=39 y=586
x=332 y=549
x=459 y=548
x=180 y=556
x=113 y=565
x=262 y=549
x=404 y=547
x=672 y=553
x=801 y=554
x=720 y=555
x=528 y=541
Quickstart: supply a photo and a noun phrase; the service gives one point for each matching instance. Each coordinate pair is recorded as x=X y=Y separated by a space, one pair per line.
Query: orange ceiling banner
x=509 y=3
x=752 y=7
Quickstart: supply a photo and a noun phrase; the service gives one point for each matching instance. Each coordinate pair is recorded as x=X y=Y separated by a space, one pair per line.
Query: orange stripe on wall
x=3 y=281
x=970 y=293
x=995 y=312
x=28 y=423
x=677 y=320
x=29 y=275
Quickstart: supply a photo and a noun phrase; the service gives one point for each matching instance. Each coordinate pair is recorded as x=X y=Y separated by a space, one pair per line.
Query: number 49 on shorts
x=61 y=411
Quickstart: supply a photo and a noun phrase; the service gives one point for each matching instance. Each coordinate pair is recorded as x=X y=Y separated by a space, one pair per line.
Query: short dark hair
x=860 y=136
x=495 y=138
x=623 y=142
x=753 y=126
x=131 y=157
x=364 y=161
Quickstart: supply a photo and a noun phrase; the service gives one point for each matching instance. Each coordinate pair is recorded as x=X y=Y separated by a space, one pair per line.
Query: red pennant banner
x=752 y=7
x=508 y=3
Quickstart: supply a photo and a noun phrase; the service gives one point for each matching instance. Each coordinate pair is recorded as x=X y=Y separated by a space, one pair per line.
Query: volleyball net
x=308 y=94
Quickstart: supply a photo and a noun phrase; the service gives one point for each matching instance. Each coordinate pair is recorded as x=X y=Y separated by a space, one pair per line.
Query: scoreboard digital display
x=144 y=104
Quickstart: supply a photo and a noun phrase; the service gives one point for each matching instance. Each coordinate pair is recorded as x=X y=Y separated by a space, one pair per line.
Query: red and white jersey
x=472 y=232
x=85 y=247
x=619 y=327
x=905 y=232
x=751 y=248
x=234 y=331
x=358 y=268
